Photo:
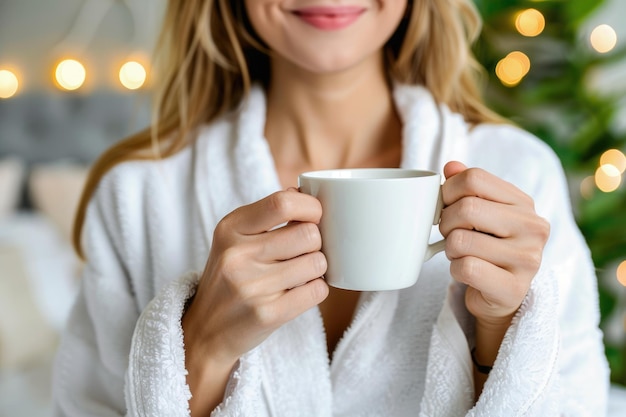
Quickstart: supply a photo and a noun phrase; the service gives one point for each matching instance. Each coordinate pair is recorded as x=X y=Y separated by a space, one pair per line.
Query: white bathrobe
x=406 y=353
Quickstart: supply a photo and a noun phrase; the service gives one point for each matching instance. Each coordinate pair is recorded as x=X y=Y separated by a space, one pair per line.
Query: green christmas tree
x=541 y=66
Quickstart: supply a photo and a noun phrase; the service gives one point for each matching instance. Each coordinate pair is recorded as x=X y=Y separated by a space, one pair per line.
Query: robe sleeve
x=120 y=356
x=551 y=361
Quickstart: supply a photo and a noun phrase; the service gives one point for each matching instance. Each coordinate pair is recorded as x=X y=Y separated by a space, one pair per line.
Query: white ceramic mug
x=376 y=224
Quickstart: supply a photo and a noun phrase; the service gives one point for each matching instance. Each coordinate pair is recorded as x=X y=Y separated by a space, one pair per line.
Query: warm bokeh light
x=512 y=68
x=509 y=71
x=8 y=84
x=70 y=74
x=132 y=75
x=530 y=22
x=608 y=178
x=522 y=58
x=614 y=157
x=587 y=187
x=621 y=273
x=603 y=38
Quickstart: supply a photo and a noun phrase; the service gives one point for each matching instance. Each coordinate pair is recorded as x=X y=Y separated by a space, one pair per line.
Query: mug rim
x=341 y=174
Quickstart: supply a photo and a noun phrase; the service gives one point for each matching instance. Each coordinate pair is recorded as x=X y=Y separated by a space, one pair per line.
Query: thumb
x=452 y=168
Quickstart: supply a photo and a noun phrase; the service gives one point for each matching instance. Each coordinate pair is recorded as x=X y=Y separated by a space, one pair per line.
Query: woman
x=194 y=301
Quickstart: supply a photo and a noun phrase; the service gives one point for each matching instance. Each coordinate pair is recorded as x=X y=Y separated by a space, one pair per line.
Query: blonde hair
x=209 y=56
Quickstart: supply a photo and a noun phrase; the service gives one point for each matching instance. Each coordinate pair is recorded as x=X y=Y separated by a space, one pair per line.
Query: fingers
x=503 y=253
x=289 y=241
x=294 y=272
x=300 y=299
x=274 y=312
x=452 y=168
x=255 y=259
x=258 y=277
x=474 y=213
x=477 y=182
x=494 y=239
x=498 y=288
x=274 y=210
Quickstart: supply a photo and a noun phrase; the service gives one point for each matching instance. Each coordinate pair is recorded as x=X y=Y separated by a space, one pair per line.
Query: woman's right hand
x=257 y=278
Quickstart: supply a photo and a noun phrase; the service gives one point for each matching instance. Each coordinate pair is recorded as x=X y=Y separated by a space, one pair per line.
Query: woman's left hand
x=495 y=241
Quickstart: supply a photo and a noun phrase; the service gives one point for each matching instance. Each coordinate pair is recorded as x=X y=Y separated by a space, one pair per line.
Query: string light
x=603 y=39
x=132 y=75
x=8 y=84
x=530 y=22
x=522 y=58
x=608 y=178
x=621 y=273
x=509 y=72
x=513 y=68
x=614 y=157
x=70 y=74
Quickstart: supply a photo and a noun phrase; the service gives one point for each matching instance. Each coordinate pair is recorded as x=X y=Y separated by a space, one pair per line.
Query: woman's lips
x=329 y=18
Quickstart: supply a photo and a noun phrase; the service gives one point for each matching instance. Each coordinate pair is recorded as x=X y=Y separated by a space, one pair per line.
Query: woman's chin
x=336 y=64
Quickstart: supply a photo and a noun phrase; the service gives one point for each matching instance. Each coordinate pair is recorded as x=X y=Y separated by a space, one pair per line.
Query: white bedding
x=50 y=263
x=38 y=279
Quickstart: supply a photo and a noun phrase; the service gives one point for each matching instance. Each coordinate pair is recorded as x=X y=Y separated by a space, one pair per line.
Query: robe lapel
x=432 y=135
x=296 y=372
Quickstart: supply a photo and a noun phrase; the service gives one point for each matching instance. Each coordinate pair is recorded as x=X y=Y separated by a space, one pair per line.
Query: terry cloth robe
x=407 y=353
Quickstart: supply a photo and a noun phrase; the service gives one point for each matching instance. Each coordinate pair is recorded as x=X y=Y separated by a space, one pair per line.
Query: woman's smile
x=324 y=36
x=329 y=17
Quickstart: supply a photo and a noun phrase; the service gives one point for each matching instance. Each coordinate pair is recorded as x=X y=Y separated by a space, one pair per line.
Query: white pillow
x=55 y=190
x=11 y=178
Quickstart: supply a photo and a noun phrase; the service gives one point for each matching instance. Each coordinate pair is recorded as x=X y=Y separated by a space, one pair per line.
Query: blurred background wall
x=44 y=122
x=542 y=70
x=101 y=33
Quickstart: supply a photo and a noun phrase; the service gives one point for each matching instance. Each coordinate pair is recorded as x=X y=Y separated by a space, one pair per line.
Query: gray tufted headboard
x=46 y=127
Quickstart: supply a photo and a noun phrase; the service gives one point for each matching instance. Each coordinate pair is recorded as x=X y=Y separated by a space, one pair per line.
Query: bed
x=47 y=141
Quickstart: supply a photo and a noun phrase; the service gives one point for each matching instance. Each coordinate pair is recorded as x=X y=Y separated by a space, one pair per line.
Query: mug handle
x=434 y=248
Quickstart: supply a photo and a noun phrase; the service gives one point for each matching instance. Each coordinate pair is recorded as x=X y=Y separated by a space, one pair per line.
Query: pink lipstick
x=329 y=18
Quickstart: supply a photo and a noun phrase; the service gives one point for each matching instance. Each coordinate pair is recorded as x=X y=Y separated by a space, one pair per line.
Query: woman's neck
x=345 y=119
